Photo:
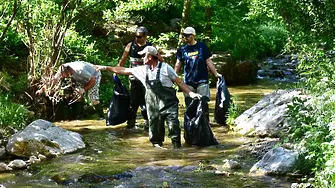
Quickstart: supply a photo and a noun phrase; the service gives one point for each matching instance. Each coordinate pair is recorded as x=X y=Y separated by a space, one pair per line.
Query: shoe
x=158 y=145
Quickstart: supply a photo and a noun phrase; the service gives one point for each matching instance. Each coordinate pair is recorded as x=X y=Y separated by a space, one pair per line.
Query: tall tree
x=185 y=18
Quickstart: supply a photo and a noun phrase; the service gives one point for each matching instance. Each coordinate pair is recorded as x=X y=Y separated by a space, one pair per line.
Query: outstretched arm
x=118 y=70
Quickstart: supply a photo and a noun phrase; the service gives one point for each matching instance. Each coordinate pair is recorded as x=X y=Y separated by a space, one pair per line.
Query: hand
x=194 y=95
x=80 y=91
x=218 y=75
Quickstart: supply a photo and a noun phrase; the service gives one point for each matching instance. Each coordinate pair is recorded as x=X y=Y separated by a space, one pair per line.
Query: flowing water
x=119 y=157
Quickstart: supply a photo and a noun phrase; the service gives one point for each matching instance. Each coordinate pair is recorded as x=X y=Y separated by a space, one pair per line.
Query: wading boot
x=131 y=123
x=176 y=144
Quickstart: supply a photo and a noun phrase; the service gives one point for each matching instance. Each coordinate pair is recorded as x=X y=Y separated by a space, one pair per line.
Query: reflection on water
x=115 y=151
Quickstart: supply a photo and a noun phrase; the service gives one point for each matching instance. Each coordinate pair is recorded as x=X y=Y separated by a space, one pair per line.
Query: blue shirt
x=195 y=66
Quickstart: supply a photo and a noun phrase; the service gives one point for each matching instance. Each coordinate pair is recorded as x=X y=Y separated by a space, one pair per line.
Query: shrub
x=12 y=114
x=272 y=38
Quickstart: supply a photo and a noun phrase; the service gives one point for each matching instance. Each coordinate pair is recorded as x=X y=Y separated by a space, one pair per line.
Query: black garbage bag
x=197 y=130
x=222 y=102
x=120 y=104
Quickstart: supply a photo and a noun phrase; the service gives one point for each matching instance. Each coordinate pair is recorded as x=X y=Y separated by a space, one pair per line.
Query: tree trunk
x=184 y=19
x=10 y=21
x=208 y=27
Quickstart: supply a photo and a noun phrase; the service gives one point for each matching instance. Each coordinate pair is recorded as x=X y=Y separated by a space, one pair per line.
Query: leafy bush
x=309 y=121
x=165 y=39
x=12 y=114
x=273 y=39
x=316 y=69
x=15 y=85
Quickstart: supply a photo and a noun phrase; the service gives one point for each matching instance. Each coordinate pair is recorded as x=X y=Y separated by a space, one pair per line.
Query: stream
x=118 y=157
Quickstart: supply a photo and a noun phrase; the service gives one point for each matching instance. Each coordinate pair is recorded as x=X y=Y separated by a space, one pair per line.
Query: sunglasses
x=139 y=37
x=187 y=35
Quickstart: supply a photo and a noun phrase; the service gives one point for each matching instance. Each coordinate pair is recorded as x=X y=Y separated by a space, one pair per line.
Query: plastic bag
x=120 y=104
x=222 y=102
x=197 y=130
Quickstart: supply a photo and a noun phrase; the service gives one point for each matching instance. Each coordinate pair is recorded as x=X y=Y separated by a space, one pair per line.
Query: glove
x=80 y=91
x=218 y=75
x=194 y=95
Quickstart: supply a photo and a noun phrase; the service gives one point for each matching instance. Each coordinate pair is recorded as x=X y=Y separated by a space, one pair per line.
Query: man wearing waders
x=160 y=96
x=136 y=89
x=196 y=57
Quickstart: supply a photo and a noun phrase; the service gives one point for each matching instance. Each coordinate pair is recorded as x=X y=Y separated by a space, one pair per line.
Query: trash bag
x=120 y=104
x=222 y=102
x=197 y=130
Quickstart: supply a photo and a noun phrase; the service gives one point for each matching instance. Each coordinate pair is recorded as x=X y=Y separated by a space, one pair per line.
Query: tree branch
x=10 y=21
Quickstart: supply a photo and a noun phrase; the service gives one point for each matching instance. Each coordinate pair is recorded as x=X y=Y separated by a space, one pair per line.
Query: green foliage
x=233 y=113
x=15 y=85
x=316 y=68
x=272 y=39
x=12 y=114
x=165 y=39
x=309 y=127
x=78 y=47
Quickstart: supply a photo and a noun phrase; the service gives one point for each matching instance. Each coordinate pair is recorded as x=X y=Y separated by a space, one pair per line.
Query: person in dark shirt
x=195 y=57
x=137 y=90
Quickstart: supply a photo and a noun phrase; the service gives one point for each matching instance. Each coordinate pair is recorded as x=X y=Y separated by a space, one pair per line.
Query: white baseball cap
x=149 y=50
x=189 y=30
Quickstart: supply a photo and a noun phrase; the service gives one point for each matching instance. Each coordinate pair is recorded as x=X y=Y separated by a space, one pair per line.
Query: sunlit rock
x=276 y=161
x=4 y=167
x=17 y=164
x=43 y=137
x=267 y=117
x=231 y=164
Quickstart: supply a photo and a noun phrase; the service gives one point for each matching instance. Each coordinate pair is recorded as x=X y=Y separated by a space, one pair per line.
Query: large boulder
x=235 y=72
x=267 y=117
x=278 y=161
x=43 y=137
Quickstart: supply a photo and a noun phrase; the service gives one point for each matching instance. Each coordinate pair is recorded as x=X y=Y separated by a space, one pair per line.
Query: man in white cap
x=160 y=96
x=196 y=57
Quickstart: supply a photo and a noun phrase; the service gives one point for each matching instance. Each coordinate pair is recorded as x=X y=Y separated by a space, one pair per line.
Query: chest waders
x=162 y=105
x=136 y=88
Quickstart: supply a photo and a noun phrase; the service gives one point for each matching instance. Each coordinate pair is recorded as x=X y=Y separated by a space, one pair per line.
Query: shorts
x=202 y=89
x=93 y=93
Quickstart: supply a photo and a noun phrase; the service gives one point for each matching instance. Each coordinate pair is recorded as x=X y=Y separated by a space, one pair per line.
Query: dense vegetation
x=37 y=36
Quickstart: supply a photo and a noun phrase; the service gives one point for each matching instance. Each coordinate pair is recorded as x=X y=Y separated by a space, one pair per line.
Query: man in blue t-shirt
x=196 y=57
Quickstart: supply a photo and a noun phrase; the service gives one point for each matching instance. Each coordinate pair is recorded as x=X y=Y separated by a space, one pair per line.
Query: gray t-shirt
x=82 y=71
x=167 y=74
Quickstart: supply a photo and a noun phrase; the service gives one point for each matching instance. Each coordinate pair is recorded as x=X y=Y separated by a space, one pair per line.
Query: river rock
x=43 y=137
x=231 y=164
x=17 y=164
x=266 y=118
x=277 y=161
x=4 y=167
